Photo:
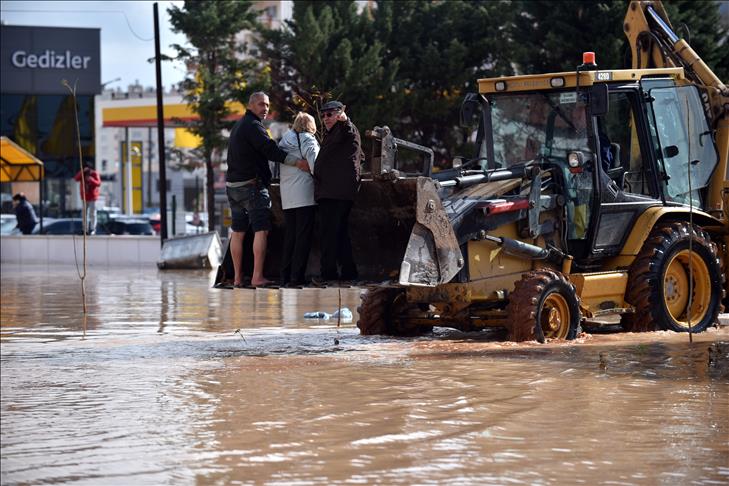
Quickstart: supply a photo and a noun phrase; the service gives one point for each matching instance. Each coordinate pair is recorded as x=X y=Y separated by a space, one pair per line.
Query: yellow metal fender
x=645 y=224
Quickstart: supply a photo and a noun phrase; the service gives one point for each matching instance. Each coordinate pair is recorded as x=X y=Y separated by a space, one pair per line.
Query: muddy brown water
x=161 y=390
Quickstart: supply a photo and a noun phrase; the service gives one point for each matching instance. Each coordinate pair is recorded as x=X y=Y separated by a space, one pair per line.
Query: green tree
x=405 y=64
x=703 y=30
x=326 y=51
x=217 y=74
x=440 y=50
x=551 y=36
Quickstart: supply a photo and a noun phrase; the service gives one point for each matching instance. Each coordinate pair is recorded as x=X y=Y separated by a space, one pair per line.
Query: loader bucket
x=192 y=251
x=433 y=255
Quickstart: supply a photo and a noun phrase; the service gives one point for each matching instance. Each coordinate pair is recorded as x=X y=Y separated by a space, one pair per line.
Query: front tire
x=543 y=306
x=665 y=293
x=385 y=311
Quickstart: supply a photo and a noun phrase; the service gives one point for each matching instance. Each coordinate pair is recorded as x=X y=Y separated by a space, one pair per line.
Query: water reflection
x=163 y=391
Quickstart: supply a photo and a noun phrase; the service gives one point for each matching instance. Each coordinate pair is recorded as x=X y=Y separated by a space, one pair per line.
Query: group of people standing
x=313 y=176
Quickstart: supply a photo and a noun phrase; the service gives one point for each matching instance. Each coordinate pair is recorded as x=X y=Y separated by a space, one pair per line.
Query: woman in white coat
x=297 y=199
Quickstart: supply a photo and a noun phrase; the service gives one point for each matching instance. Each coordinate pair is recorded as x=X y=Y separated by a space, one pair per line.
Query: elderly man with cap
x=336 y=180
x=247 y=180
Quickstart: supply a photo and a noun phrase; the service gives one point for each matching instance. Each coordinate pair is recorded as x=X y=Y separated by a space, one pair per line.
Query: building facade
x=37 y=109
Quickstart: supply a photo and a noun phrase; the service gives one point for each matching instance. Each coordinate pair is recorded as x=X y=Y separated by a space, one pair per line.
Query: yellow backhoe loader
x=593 y=192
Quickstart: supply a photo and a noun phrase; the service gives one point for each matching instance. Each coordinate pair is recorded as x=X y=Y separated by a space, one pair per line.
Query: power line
x=129 y=25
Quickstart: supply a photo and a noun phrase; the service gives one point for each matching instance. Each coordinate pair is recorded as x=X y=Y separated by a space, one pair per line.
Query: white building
x=131 y=116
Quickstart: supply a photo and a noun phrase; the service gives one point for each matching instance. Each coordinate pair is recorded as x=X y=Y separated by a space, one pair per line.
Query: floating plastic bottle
x=344 y=314
x=317 y=315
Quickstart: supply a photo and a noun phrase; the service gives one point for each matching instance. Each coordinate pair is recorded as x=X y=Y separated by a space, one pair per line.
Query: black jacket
x=336 y=171
x=25 y=216
x=249 y=150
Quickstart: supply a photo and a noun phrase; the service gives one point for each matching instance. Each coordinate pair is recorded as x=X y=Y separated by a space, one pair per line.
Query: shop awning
x=17 y=164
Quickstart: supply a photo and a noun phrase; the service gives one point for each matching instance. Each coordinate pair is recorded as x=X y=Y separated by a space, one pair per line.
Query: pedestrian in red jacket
x=90 y=193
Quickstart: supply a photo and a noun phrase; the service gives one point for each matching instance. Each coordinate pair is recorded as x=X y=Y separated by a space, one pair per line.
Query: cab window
x=620 y=146
x=682 y=142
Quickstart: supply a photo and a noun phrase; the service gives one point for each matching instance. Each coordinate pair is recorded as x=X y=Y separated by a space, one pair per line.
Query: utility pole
x=160 y=132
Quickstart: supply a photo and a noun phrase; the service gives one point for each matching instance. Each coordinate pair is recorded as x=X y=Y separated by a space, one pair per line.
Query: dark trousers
x=336 y=247
x=27 y=229
x=299 y=226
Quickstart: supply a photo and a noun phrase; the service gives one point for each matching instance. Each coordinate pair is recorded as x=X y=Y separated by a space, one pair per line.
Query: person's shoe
x=298 y=283
x=319 y=282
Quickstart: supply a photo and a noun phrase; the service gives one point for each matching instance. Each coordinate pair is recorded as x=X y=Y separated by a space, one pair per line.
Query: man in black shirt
x=247 y=180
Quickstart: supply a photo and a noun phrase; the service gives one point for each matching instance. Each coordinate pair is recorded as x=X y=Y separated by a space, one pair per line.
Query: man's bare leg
x=259 y=257
x=236 y=251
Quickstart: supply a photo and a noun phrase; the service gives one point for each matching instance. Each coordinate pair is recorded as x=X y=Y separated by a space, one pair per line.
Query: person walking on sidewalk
x=336 y=180
x=24 y=214
x=89 y=184
x=247 y=181
x=297 y=200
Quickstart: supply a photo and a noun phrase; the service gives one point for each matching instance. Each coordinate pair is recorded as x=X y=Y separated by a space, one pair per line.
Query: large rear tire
x=661 y=285
x=543 y=306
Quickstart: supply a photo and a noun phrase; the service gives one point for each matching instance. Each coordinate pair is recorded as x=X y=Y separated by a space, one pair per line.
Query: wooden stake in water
x=339 y=315
x=81 y=274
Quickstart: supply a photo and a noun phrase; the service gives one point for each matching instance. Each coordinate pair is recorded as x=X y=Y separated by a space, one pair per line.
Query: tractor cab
x=614 y=142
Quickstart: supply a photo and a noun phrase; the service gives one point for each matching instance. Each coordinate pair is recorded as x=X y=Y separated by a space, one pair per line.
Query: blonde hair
x=304 y=123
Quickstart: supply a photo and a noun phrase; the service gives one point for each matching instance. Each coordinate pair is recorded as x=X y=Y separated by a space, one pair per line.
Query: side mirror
x=670 y=151
x=470 y=110
x=599 y=104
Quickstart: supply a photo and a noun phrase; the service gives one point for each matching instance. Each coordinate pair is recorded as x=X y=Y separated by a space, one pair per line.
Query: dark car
x=62 y=226
x=129 y=227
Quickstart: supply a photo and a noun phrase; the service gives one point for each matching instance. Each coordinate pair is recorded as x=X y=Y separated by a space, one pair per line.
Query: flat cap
x=332 y=105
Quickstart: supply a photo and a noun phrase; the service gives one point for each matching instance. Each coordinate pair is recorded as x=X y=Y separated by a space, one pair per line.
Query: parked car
x=105 y=214
x=155 y=221
x=7 y=224
x=191 y=229
x=61 y=226
x=124 y=226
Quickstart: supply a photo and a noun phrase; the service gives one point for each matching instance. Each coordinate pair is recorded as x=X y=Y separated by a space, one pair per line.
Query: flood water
x=162 y=390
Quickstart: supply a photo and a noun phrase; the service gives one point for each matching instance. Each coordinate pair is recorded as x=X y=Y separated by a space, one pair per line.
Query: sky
x=127 y=34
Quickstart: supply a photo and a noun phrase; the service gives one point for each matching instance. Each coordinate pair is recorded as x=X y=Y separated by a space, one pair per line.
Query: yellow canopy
x=17 y=164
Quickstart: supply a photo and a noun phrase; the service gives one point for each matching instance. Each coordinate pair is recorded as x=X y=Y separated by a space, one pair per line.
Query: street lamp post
x=160 y=130
x=103 y=85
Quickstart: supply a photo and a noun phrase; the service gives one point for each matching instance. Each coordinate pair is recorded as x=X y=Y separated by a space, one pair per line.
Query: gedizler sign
x=36 y=60
x=49 y=59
